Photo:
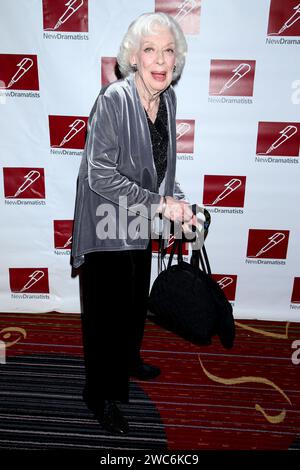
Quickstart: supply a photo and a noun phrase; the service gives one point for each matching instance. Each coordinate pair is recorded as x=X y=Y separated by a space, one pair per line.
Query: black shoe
x=144 y=371
x=108 y=414
x=112 y=418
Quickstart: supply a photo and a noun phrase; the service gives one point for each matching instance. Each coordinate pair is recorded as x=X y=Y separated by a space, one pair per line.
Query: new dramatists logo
x=109 y=70
x=63 y=234
x=227 y=282
x=29 y=280
x=24 y=183
x=67 y=131
x=185 y=12
x=284 y=18
x=70 y=16
x=268 y=243
x=278 y=139
x=232 y=77
x=224 y=191
x=185 y=132
x=19 y=72
x=296 y=291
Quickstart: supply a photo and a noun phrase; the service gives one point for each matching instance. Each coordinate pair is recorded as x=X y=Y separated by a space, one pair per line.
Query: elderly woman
x=127 y=176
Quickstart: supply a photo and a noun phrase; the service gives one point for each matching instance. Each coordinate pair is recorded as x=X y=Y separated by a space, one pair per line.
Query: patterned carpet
x=41 y=407
x=207 y=398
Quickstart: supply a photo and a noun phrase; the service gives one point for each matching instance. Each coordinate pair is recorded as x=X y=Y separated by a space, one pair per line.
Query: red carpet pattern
x=206 y=398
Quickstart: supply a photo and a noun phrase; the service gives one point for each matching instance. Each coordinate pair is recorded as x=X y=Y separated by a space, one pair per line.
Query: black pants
x=115 y=288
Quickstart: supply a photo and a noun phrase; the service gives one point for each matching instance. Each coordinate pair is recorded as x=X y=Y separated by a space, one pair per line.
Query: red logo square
x=155 y=247
x=227 y=282
x=29 y=280
x=185 y=12
x=224 y=191
x=70 y=16
x=185 y=132
x=24 y=183
x=268 y=244
x=19 y=72
x=67 y=131
x=278 y=139
x=63 y=234
x=295 y=299
x=284 y=18
x=232 y=77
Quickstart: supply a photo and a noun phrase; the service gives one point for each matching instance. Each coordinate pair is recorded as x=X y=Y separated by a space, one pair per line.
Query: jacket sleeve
x=173 y=98
x=102 y=158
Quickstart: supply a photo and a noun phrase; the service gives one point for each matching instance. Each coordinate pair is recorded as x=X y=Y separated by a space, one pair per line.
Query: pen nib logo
x=182 y=129
x=184 y=9
x=225 y=281
x=290 y=21
x=230 y=187
x=23 y=67
x=33 y=279
x=72 y=7
x=30 y=178
x=274 y=240
x=285 y=134
x=238 y=73
x=171 y=241
x=67 y=244
x=75 y=127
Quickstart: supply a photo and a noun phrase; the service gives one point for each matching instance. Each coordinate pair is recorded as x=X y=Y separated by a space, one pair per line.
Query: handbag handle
x=177 y=244
x=199 y=255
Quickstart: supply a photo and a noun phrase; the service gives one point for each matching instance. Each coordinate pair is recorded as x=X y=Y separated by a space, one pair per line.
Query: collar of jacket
x=170 y=100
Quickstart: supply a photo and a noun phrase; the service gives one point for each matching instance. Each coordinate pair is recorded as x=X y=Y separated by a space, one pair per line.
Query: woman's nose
x=160 y=57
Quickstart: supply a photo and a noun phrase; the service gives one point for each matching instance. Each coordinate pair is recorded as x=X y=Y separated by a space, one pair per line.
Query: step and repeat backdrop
x=238 y=135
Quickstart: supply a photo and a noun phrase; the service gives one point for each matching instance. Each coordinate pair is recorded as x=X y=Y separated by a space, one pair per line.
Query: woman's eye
x=170 y=51
x=148 y=49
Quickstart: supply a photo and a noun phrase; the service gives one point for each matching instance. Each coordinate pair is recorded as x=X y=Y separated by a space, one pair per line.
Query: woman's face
x=155 y=60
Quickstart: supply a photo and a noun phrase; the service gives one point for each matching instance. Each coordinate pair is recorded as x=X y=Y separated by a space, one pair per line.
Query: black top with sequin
x=159 y=138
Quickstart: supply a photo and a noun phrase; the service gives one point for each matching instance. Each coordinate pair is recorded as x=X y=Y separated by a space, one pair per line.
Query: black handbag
x=188 y=301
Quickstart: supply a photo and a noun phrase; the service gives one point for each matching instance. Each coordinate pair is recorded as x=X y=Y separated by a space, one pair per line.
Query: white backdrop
x=238 y=141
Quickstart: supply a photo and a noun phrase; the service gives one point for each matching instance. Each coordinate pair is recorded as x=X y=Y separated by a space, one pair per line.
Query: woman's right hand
x=176 y=210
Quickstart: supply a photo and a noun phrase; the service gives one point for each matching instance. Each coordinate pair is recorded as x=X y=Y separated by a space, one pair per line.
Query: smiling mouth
x=160 y=76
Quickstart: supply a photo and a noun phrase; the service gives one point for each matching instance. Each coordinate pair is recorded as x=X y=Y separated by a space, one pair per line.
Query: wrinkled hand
x=181 y=212
x=196 y=221
x=178 y=211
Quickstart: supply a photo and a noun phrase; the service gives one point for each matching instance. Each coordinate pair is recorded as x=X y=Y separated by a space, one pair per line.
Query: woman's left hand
x=196 y=221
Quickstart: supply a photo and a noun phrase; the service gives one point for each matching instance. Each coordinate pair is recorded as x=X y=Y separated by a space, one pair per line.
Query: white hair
x=146 y=25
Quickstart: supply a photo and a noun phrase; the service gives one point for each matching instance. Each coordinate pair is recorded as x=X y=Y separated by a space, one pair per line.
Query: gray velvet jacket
x=117 y=178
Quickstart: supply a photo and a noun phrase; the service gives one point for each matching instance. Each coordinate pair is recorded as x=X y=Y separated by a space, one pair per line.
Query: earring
x=134 y=67
x=174 y=68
